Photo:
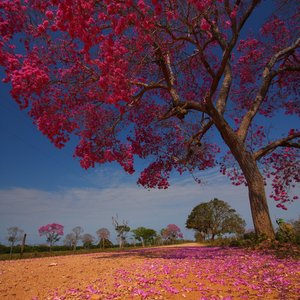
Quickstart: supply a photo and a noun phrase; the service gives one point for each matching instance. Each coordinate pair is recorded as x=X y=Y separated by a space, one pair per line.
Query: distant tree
x=296 y=224
x=144 y=235
x=53 y=233
x=171 y=233
x=158 y=240
x=215 y=217
x=72 y=238
x=69 y=240
x=285 y=232
x=77 y=231
x=87 y=240
x=103 y=235
x=121 y=229
x=14 y=234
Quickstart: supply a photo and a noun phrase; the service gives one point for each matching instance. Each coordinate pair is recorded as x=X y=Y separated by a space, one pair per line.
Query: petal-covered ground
x=157 y=273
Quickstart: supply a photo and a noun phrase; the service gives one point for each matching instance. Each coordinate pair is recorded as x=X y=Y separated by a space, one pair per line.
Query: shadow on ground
x=198 y=253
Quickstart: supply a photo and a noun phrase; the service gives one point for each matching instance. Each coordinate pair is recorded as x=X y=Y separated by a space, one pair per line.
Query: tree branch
x=284 y=142
x=224 y=91
x=280 y=54
x=181 y=109
x=268 y=75
x=146 y=87
x=248 y=13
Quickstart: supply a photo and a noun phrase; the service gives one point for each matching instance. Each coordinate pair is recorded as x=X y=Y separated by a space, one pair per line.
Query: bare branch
x=284 y=142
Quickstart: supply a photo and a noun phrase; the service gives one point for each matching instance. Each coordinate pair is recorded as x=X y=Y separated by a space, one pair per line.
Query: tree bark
x=257 y=195
x=258 y=203
x=256 y=190
x=255 y=182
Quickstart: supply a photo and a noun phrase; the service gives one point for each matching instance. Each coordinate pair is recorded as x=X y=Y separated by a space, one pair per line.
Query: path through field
x=189 y=272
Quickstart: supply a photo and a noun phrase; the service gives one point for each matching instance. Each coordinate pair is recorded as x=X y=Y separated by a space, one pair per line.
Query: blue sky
x=40 y=184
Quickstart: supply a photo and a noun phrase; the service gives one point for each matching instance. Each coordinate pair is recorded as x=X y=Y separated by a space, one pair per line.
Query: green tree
x=144 y=235
x=286 y=232
x=296 y=226
x=215 y=217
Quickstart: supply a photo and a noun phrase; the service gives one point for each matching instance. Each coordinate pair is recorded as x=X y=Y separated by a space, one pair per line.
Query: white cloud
x=93 y=208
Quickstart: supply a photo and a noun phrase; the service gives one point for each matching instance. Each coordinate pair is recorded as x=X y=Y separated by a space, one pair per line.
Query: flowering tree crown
x=53 y=232
x=156 y=79
x=172 y=232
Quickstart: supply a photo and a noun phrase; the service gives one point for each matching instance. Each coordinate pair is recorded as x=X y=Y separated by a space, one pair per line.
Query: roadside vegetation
x=214 y=223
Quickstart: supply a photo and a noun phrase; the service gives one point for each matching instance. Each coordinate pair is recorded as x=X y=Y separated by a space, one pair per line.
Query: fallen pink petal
x=190 y=272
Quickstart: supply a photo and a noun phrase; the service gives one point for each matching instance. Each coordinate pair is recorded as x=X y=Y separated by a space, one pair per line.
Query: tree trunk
x=256 y=189
x=23 y=245
x=11 y=249
x=257 y=195
x=259 y=206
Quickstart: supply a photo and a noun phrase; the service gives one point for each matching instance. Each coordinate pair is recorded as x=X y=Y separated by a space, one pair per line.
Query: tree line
x=141 y=235
x=215 y=218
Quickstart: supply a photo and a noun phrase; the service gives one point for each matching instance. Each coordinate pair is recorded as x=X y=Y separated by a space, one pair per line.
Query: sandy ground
x=40 y=278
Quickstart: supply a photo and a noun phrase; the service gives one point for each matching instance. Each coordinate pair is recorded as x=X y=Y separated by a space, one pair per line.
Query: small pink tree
x=52 y=232
x=171 y=233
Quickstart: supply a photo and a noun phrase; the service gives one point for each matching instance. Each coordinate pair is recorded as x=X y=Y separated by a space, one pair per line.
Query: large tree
x=215 y=217
x=158 y=80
